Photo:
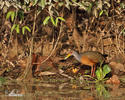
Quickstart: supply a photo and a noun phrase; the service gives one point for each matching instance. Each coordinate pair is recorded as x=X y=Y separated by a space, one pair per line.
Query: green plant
x=102 y=72
x=16 y=27
x=13 y=16
x=54 y=22
x=25 y=28
x=52 y=10
x=96 y=8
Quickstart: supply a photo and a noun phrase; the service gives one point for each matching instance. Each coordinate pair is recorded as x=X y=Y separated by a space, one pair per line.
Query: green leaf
x=62 y=19
x=101 y=12
x=102 y=73
x=10 y=14
x=17 y=28
x=89 y=8
x=13 y=27
x=74 y=0
x=52 y=20
x=99 y=73
x=43 y=3
x=106 y=12
x=46 y=20
x=35 y=2
x=23 y=30
x=61 y=4
x=122 y=5
x=56 y=22
x=106 y=70
x=27 y=28
x=56 y=0
x=21 y=14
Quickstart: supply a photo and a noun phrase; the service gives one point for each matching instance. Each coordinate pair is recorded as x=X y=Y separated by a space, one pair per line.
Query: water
x=61 y=91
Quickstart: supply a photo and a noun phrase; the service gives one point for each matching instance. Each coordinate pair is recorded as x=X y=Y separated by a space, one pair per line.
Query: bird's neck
x=77 y=56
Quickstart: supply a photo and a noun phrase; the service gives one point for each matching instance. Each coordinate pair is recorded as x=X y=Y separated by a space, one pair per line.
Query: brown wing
x=86 y=61
x=94 y=56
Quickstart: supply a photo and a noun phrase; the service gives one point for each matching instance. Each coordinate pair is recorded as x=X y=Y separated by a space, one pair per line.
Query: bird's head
x=70 y=54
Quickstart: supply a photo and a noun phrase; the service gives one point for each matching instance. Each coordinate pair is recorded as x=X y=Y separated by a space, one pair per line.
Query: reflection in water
x=64 y=91
x=14 y=92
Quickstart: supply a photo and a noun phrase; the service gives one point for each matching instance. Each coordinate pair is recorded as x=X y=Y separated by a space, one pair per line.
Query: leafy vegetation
x=54 y=22
x=102 y=72
x=13 y=15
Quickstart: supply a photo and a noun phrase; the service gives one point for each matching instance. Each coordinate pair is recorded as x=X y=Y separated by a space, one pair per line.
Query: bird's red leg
x=92 y=71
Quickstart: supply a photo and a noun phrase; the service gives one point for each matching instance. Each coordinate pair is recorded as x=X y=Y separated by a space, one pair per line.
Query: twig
x=60 y=31
x=27 y=74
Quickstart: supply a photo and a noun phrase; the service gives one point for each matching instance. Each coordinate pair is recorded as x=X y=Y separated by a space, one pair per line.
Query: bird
x=89 y=58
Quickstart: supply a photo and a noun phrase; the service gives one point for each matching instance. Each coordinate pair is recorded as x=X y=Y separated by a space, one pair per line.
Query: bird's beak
x=67 y=56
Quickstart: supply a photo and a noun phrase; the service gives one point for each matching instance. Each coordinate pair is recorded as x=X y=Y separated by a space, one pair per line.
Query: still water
x=61 y=91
